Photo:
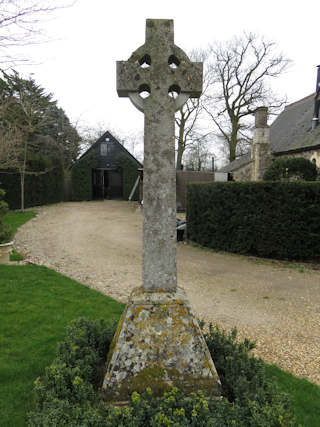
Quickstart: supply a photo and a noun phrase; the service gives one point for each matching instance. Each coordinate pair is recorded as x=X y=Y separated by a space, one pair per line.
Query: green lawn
x=36 y=304
x=16 y=218
x=304 y=396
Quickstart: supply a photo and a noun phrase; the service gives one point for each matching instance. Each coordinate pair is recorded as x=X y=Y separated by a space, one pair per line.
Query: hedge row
x=268 y=219
x=68 y=394
x=39 y=189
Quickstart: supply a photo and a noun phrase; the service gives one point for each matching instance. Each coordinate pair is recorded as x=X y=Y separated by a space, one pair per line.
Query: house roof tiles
x=290 y=132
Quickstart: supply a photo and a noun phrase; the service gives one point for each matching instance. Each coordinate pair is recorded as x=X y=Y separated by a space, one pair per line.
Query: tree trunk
x=233 y=142
x=22 y=175
x=179 y=158
x=181 y=142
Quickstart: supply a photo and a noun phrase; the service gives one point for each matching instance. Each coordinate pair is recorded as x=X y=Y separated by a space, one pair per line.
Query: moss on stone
x=161 y=380
x=115 y=339
x=150 y=351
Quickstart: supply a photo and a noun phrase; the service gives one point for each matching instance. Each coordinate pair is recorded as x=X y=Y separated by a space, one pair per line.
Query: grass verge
x=304 y=396
x=16 y=218
x=36 y=304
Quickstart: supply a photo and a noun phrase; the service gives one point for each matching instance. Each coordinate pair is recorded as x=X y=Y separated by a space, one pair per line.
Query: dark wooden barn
x=105 y=171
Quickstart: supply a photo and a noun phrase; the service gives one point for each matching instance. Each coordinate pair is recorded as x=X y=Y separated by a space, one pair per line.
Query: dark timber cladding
x=110 y=172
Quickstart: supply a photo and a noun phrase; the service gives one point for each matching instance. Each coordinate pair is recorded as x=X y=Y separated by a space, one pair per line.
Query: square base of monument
x=158 y=344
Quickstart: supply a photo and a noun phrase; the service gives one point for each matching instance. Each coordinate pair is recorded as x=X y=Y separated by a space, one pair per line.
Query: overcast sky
x=79 y=66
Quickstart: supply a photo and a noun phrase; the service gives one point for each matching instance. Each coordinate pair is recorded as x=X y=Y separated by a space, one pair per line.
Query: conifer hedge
x=268 y=219
x=39 y=189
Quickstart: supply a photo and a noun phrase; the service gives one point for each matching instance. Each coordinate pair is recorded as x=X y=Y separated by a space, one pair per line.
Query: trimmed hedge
x=291 y=168
x=39 y=189
x=68 y=394
x=81 y=176
x=268 y=219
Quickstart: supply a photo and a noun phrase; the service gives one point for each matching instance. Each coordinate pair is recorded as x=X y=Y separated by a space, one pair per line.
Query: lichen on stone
x=158 y=344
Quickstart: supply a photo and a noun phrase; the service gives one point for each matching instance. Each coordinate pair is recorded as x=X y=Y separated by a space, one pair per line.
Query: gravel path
x=99 y=244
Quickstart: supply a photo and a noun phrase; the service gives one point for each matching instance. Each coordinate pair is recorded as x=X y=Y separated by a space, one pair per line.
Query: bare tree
x=199 y=156
x=240 y=74
x=133 y=142
x=20 y=25
x=188 y=118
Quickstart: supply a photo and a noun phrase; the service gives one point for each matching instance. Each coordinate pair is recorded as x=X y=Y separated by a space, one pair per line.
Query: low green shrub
x=5 y=230
x=68 y=394
x=291 y=168
x=267 y=219
x=16 y=256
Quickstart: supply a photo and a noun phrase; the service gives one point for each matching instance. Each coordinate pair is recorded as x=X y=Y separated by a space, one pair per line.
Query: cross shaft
x=159 y=68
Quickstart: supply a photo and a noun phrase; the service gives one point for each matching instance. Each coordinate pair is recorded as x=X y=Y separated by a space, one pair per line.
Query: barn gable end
x=107 y=170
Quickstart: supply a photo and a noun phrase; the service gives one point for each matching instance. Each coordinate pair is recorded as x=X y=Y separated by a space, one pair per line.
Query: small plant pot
x=5 y=251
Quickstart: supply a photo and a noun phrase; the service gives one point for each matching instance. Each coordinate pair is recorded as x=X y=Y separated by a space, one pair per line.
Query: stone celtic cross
x=162 y=71
x=158 y=341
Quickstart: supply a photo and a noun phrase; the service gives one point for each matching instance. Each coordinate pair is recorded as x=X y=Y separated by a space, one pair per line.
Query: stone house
x=294 y=133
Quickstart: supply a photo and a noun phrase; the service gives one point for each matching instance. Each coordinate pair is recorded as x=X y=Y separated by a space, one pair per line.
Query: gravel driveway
x=99 y=244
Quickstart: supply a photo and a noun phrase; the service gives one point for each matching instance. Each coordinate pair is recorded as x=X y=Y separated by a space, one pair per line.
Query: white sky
x=79 y=66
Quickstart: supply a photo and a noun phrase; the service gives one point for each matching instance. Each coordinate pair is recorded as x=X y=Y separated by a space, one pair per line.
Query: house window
x=104 y=149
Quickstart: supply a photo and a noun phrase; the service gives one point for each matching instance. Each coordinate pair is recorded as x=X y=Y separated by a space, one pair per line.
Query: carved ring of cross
x=159 y=68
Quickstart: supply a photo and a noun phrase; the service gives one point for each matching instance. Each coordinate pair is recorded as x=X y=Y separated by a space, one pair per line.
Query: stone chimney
x=315 y=119
x=260 y=154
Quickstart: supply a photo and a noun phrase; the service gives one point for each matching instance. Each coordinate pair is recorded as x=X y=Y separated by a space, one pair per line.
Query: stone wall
x=243 y=173
x=261 y=160
x=183 y=179
x=309 y=155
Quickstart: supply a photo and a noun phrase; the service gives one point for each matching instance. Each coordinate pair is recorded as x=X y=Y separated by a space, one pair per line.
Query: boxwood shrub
x=291 y=168
x=68 y=394
x=5 y=230
x=267 y=219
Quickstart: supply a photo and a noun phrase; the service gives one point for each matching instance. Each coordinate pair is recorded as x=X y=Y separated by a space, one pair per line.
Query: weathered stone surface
x=159 y=345
x=260 y=152
x=159 y=68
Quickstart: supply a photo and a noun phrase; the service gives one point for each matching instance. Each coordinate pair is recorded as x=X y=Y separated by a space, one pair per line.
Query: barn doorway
x=107 y=184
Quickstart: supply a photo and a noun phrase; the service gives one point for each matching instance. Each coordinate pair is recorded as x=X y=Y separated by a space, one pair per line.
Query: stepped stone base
x=158 y=344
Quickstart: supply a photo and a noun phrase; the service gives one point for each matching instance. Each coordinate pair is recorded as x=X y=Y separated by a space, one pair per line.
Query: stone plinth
x=158 y=344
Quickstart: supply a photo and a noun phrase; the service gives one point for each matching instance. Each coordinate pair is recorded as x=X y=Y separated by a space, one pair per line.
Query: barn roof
x=105 y=137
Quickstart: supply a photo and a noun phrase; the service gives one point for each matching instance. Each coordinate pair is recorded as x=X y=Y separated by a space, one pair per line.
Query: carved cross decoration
x=163 y=72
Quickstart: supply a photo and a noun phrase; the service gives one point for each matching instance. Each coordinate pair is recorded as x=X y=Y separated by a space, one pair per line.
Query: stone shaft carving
x=159 y=69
